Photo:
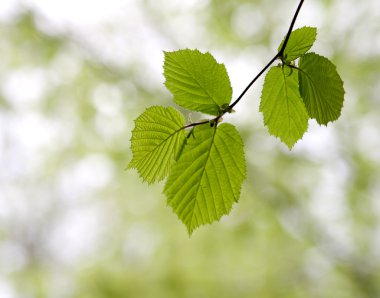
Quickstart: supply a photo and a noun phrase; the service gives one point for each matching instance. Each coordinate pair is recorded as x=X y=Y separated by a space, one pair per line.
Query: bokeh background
x=74 y=223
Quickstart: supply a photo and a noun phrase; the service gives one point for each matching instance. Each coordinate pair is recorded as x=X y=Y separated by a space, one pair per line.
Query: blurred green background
x=74 y=223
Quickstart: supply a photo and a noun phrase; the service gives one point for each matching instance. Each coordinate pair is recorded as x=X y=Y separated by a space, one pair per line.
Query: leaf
x=197 y=81
x=321 y=88
x=206 y=180
x=284 y=112
x=156 y=141
x=300 y=41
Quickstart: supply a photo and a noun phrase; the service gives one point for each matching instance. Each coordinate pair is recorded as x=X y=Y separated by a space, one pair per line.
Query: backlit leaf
x=284 y=112
x=321 y=88
x=156 y=141
x=197 y=81
x=300 y=41
x=206 y=180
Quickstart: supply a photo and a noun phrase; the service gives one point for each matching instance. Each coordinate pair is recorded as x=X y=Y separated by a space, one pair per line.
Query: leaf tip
x=292 y=144
x=189 y=231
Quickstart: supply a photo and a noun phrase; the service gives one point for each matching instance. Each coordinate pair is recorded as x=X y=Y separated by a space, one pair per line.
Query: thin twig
x=197 y=123
x=278 y=55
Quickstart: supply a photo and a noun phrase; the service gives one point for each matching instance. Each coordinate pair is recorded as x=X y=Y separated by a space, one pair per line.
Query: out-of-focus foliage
x=73 y=223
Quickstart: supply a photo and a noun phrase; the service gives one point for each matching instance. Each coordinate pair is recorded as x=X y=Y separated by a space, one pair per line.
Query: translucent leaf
x=284 y=112
x=321 y=88
x=197 y=81
x=300 y=41
x=156 y=141
x=206 y=180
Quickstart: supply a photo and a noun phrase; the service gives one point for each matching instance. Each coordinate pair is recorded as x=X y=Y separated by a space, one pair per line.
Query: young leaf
x=197 y=81
x=300 y=41
x=206 y=180
x=284 y=112
x=156 y=141
x=321 y=88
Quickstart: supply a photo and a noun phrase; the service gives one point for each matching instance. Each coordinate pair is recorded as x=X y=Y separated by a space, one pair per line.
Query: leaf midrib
x=203 y=171
x=143 y=160
x=287 y=103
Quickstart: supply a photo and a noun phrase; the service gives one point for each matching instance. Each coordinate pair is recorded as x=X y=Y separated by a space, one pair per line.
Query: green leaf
x=284 y=112
x=300 y=41
x=206 y=180
x=197 y=81
x=156 y=141
x=321 y=88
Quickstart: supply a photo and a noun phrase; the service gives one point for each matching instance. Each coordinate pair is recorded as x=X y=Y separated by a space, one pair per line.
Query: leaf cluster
x=292 y=94
x=204 y=161
x=205 y=166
